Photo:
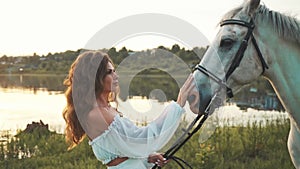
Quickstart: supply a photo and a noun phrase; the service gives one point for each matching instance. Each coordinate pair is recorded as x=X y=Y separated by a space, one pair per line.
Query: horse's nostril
x=226 y=43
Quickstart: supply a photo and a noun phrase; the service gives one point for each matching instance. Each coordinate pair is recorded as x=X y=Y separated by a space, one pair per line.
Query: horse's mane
x=287 y=27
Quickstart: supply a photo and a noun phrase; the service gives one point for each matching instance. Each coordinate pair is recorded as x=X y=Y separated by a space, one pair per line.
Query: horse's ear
x=253 y=5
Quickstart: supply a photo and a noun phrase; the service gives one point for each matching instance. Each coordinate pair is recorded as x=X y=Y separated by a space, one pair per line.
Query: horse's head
x=234 y=58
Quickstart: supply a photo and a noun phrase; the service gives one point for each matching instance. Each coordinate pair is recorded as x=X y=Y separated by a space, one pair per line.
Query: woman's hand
x=187 y=90
x=158 y=159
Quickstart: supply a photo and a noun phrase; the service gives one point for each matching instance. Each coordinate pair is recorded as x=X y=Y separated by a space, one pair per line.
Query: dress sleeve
x=126 y=139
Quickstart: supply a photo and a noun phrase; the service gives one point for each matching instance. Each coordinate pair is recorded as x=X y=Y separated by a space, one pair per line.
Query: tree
x=112 y=52
x=123 y=52
x=175 y=48
x=162 y=47
x=4 y=58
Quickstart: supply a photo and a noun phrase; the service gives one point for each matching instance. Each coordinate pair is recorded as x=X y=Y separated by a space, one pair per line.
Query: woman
x=92 y=85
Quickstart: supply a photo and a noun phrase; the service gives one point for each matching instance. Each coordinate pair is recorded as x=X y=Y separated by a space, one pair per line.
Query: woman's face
x=111 y=79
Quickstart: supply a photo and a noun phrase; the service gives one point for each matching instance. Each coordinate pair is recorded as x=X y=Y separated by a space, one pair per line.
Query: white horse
x=254 y=41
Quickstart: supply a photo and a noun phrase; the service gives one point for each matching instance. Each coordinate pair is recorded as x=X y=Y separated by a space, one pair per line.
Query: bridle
x=190 y=131
x=238 y=56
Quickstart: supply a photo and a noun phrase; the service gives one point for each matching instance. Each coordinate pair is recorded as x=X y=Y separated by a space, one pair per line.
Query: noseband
x=238 y=56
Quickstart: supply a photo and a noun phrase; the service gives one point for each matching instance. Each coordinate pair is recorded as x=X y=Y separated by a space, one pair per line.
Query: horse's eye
x=226 y=43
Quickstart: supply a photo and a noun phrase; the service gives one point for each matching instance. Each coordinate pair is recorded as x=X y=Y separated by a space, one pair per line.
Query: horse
x=255 y=41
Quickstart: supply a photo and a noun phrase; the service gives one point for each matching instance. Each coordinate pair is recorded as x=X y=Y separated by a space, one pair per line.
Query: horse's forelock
x=231 y=13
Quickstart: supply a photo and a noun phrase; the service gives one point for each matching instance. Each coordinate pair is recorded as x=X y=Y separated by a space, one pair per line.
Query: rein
x=188 y=133
x=201 y=118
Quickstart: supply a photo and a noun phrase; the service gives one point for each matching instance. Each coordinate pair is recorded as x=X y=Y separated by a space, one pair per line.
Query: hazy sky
x=44 y=26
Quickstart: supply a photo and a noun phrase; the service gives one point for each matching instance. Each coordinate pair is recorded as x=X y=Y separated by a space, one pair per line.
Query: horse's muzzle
x=205 y=94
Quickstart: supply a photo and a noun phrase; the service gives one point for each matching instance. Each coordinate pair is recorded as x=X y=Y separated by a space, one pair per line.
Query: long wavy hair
x=84 y=84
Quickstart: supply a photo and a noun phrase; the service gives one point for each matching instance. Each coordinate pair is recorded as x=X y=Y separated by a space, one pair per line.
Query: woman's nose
x=115 y=74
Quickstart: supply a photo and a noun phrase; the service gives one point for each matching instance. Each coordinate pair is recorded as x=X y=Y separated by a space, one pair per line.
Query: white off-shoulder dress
x=124 y=139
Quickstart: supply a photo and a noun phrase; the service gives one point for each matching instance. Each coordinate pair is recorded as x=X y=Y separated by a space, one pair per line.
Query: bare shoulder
x=97 y=123
x=94 y=113
x=99 y=118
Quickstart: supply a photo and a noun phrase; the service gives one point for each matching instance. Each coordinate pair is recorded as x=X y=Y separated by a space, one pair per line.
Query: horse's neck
x=284 y=71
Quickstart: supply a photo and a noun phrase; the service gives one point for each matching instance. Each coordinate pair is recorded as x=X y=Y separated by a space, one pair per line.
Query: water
x=24 y=99
x=18 y=107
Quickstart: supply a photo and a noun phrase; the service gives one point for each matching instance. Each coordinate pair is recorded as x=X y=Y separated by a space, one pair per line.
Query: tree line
x=59 y=63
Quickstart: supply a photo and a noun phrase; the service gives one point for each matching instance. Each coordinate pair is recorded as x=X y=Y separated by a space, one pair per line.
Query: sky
x=43 y=26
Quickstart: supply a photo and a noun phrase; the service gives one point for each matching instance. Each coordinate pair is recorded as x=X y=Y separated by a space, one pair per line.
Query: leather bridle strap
x=215 y=78
x=261 y=58
x=239 y=55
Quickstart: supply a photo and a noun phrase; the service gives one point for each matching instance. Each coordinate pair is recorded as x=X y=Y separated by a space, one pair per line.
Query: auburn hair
x=84 y=84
